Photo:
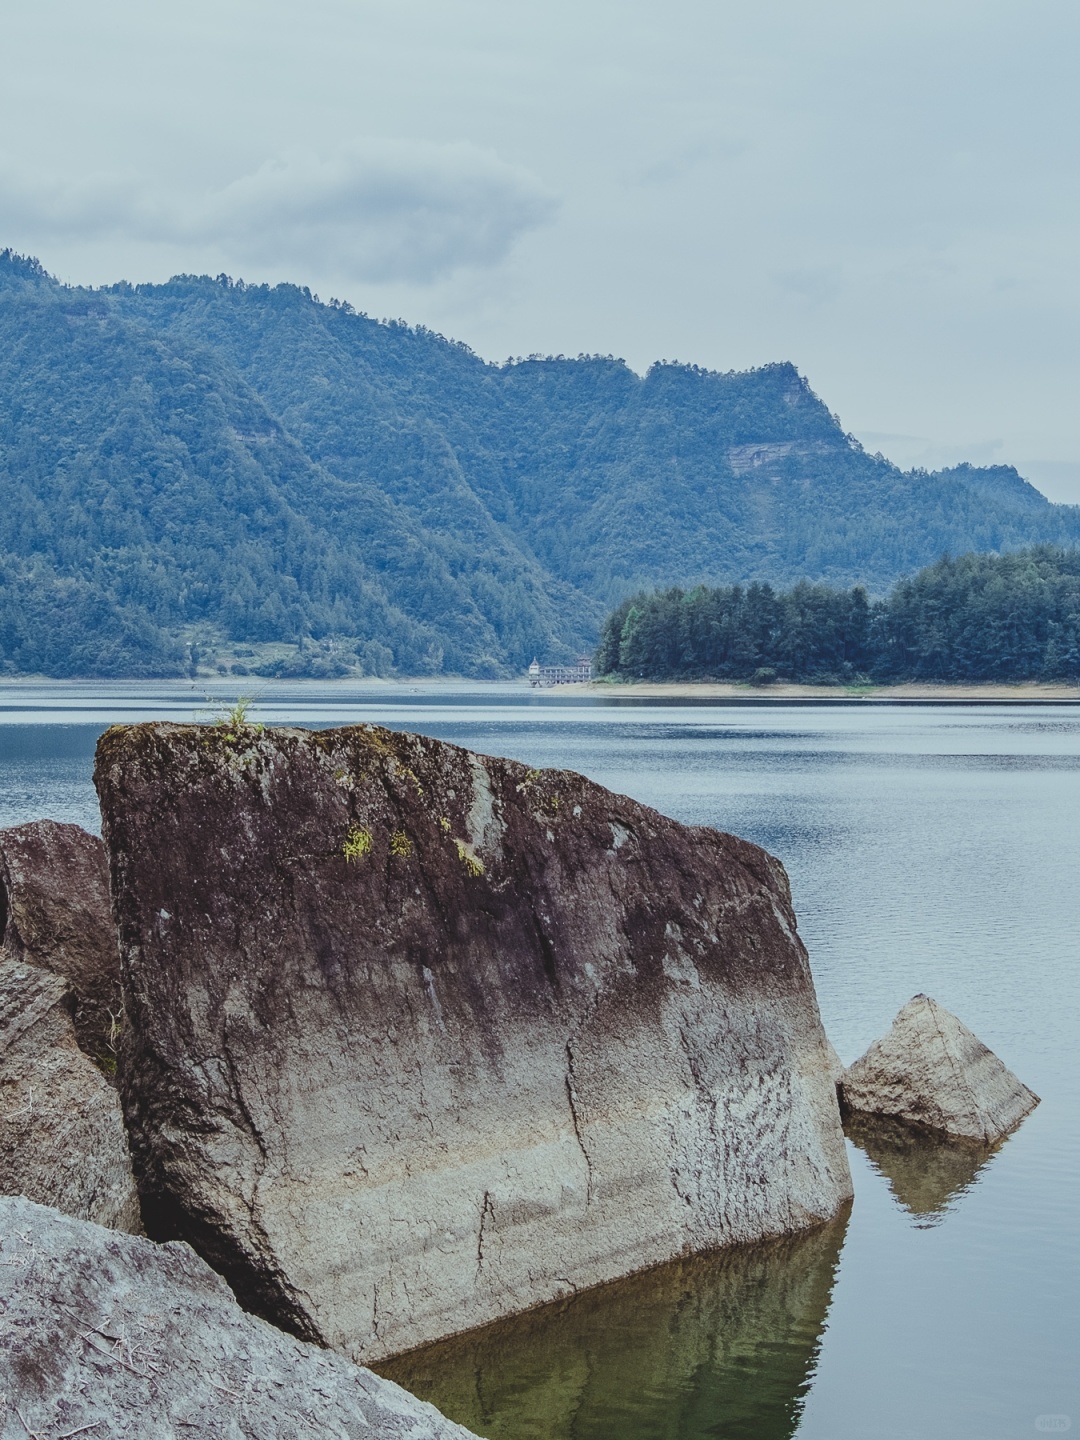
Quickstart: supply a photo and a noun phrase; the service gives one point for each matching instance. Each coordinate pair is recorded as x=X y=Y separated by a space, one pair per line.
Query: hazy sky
x=884 y=193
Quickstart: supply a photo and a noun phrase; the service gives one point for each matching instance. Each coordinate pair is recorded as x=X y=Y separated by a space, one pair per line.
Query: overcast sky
x=884 y=193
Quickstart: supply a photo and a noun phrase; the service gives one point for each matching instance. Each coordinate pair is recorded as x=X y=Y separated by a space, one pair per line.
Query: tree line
x=972 y=618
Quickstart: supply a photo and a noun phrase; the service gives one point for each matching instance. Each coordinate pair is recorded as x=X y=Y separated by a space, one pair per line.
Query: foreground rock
x=55 y=913
x=931 y=1070
x=112 y=1335
x=419 y=1039
x=62 y=1139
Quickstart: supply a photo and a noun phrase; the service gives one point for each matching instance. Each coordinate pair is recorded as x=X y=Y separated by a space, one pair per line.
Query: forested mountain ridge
x=250 y=461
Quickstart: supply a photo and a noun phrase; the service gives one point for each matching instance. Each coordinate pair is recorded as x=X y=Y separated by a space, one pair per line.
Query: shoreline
x=217 y=687
x=1021 y=693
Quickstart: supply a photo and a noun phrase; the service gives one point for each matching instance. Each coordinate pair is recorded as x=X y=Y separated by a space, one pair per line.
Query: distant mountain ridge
x=212 y=458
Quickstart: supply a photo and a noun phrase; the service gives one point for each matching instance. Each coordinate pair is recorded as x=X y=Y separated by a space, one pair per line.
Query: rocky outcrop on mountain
x=55 y=913
x=930 y=1070
x=107 y=1334
x=419 y=1038
x=62 y=1138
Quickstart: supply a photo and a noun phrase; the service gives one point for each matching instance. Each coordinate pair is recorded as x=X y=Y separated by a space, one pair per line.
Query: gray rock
x=931 y=1070
x=62 y=1139
x=110 y=1335
x=55 y=913
x=418 y=1039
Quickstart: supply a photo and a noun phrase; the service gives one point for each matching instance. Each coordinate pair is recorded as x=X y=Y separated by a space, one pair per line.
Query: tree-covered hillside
x=979 y=617
x=209 y=458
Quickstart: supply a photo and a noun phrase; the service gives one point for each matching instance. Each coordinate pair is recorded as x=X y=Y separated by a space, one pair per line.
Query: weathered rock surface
x=931 y=1070
x=55 y=913
x=62 y=1139
x=107 y=1334
x=418 y=1039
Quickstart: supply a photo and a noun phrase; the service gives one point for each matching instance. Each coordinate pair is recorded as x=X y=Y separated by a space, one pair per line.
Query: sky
x=885 y=194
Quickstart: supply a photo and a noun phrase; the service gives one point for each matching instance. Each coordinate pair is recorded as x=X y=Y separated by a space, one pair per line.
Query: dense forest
x=205 y=460
x=979 y=617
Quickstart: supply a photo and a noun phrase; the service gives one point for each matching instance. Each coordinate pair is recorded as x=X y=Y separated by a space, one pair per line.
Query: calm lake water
x=930 y=848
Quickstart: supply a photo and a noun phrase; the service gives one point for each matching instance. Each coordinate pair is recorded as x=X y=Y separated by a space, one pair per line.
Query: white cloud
x=373 y=210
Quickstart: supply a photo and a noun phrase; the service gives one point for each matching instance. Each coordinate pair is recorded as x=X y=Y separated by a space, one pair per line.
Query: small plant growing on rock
x=472 y=864
x=106 y=1061
x=234 y=718
x=400 y=845
x=357 y=843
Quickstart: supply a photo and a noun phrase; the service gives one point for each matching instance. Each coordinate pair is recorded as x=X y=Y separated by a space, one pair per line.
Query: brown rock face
x=417 y=1039
x=62 y=1140
x=55 y=913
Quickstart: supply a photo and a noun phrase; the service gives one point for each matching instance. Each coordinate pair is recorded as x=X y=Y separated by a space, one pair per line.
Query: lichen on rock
x=394 y=1100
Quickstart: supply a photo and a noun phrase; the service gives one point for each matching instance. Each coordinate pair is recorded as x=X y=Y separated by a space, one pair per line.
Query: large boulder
x=418 y=1039
x=55 y=913
x=930 y=1070
x=107 y=1334
x=62 y=1138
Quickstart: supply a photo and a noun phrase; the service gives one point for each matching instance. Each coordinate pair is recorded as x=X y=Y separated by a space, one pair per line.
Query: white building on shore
x=576 y=674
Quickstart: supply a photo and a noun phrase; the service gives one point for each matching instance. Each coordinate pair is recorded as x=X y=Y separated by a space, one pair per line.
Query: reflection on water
x=927 y=1173
x=720 y=1345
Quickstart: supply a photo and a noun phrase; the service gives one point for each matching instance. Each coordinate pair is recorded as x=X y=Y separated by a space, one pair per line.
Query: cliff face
x=418 y=1038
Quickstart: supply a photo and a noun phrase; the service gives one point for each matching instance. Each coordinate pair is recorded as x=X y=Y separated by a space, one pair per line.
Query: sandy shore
x=224 y=686
x=1026 y=694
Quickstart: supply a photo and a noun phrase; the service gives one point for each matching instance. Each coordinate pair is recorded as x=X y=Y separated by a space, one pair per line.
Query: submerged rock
x=55 y=913
x=418 y=1039
x=112 y=1335
x=931 y=1070
x=62 y=1138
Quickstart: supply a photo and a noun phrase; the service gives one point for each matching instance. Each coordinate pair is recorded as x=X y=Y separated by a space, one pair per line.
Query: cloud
x=373 y=210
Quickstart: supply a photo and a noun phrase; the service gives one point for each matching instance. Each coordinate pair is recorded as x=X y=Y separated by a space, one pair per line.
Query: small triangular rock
x=931 y=1070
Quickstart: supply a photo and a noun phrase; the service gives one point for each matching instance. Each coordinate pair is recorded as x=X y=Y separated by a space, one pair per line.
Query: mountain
x=202 y=461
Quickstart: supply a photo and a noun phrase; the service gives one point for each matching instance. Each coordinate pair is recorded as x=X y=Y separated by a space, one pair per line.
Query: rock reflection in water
x=926 y=1172
x=720 y=1346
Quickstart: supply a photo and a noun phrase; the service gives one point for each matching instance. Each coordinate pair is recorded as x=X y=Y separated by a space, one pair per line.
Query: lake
x=931 y=848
